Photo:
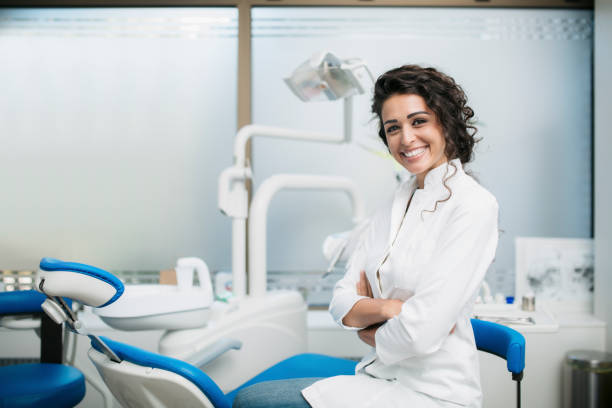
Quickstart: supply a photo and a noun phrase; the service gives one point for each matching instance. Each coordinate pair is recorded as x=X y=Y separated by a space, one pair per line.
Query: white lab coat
x=436 y=262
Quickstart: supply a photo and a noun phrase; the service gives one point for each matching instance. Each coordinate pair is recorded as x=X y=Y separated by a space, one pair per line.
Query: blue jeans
x=277 y=393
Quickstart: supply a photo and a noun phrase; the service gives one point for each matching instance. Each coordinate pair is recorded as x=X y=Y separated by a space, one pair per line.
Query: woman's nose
x=408 y=136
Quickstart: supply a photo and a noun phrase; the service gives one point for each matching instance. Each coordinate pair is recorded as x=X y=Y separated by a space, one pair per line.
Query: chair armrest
x=212 y=352
x=502 y=341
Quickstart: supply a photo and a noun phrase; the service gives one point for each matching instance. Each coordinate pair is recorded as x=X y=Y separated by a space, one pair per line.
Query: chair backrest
x=165 y=372
x=502 y=341
x=136 y=385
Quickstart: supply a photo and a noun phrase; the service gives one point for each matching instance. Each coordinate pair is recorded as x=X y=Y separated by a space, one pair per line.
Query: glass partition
x=115 y=125
x=527 y=73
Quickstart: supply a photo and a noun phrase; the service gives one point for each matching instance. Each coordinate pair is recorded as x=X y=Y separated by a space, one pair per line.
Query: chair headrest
x=85 y=283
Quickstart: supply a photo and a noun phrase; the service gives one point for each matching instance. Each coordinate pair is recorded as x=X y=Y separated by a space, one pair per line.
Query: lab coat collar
x=433 y=188
x=434 y=180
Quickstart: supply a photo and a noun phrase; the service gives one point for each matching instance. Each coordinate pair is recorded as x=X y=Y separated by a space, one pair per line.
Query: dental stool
x=45 y=384
x=139 y=378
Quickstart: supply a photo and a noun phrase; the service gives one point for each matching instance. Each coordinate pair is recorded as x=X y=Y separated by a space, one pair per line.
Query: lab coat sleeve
x=459 y=263
x=345 y=291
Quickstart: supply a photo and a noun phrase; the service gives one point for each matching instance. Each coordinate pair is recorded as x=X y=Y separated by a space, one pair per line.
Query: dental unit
x=231 y=340
x=322 y=77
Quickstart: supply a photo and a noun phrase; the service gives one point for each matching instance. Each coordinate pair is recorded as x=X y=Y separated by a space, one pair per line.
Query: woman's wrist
x=369 y=311
x=391 y=308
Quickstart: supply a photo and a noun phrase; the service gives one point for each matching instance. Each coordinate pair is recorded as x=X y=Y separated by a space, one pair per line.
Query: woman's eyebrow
x=416 y=113
x=407 y=117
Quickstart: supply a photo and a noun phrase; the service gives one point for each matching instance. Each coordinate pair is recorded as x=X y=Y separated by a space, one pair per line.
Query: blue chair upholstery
x=41 y=385
x=23 y=302
x=504 y=342
x=18 y=302
x=301 y=366
x=38 y=384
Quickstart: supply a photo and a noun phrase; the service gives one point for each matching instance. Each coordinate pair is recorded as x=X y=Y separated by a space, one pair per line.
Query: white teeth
x=414 y=152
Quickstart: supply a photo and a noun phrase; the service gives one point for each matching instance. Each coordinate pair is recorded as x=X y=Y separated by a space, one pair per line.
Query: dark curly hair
x=442 y=95
x=445 y=98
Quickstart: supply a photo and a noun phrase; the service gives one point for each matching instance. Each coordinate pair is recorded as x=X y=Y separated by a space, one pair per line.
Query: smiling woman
x=423 y=117
x=411 y=282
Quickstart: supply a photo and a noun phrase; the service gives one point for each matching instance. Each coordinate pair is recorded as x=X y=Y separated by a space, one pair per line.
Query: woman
x=410 y=285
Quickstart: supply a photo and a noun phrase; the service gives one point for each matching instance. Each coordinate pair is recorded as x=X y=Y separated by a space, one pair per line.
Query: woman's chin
x=415 y=167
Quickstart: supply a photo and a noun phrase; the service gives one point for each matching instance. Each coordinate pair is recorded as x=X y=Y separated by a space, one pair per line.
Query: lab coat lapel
x=398 y=209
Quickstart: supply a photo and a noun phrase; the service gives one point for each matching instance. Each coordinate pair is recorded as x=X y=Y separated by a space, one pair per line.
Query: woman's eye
x=419 y=121
x=392 y=129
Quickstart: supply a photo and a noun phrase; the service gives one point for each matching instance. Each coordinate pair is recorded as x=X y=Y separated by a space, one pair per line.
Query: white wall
x=603 y=168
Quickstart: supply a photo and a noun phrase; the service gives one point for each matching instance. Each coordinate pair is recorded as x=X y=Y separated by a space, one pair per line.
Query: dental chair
x=138 y=378
x=47 y=383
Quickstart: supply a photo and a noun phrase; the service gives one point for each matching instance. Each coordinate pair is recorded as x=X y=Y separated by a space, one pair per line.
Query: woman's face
x=414 y=136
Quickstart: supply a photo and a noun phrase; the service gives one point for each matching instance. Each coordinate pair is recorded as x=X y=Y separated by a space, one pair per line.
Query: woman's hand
x=363 y=286
x=368 y=335
x=388 y=309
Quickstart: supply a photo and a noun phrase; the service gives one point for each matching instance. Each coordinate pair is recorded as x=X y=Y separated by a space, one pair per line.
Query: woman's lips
x=414 y=154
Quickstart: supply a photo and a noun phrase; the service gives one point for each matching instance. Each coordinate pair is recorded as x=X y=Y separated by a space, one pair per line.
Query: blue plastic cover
x=40 y=385
x=502 y=341
x=300 y=366
x=52 y=264
x=22 y=301
x=147 y=359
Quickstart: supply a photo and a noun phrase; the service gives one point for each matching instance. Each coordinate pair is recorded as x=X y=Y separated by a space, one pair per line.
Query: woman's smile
x=414 y=154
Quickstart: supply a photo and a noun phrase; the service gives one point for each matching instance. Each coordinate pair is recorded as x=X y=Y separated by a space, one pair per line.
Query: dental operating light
x=326 y=77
